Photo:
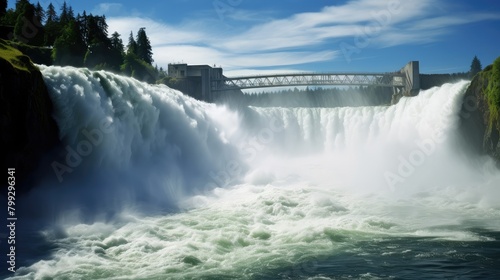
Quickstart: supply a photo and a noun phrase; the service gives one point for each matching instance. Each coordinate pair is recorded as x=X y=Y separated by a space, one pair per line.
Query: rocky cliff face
x=28 y=129
x=481 y=112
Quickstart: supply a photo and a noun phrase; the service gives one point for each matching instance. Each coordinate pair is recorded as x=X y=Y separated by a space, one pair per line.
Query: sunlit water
x=180 y=189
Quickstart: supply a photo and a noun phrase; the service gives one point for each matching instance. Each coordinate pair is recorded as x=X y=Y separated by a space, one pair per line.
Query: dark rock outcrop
x=28 y=130
x=480 y=112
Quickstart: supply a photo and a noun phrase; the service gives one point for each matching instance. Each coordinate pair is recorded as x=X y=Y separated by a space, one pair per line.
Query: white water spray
x=280 y=186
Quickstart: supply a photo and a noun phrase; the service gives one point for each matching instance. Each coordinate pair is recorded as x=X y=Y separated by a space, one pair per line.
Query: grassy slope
x=17 y=59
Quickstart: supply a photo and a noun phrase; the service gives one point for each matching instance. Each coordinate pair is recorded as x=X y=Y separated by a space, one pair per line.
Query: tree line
x=310 y=97
x=80 y=40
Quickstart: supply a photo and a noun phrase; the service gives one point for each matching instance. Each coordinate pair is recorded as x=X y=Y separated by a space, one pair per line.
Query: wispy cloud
x=108 y=9
x=231 y=61
x=297 y=39
x=159 y=33
x=440 y=22
x=250 y=16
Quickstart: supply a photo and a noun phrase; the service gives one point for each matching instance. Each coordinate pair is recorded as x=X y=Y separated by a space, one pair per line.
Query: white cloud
x=250 y=16
x=355 y=18
x=158 y=33
x=447 y=21
x=231 y=61
x=298 y=39
x=107 y=9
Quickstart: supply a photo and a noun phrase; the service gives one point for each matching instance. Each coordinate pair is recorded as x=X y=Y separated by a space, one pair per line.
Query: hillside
x=481 y=111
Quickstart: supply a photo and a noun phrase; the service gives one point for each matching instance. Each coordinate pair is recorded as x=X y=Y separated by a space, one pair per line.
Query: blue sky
x=256 y=36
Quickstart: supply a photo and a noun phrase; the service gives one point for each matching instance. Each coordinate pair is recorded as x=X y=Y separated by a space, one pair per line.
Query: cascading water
x=130 y=144
x=198 y=191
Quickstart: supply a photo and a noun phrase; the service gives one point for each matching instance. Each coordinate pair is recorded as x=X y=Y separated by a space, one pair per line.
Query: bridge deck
x=391 y=79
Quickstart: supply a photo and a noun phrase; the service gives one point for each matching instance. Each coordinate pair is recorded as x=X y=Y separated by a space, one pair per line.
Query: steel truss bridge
x=392 y=79
x=206 y=83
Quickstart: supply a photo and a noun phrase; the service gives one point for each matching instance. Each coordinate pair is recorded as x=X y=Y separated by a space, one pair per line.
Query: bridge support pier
x=397 y=93
x=411 y=75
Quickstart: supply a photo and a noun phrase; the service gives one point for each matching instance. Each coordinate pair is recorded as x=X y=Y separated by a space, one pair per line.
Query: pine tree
x=9 y=16
x=51 y=14
x=69 y=48
x=39 y=12
x=117 y=42
x=71 y=13
x=52 y=30
x=144 y=50
x=100 y=53
x=132 y=44
x=97 y=30
x=64 y=18
x=3 y=8
x=28 y=29
x=117 y=52
x=20 y=5
x=83 y=23
x=102 y=31
x=475 y=67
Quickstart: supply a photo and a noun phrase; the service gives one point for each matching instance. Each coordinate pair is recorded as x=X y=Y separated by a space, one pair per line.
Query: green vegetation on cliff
x=481 y=111
x=493 y=89
x=16 y=58
x=490 y=80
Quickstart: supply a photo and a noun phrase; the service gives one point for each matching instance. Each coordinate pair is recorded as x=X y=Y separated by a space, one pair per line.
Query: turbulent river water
x=156 y=185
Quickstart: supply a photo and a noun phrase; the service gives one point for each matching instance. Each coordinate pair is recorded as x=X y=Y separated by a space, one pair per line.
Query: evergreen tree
x=20 y=8
x=132 y=44
x=71 y=13
x=69 y=48
x=101 y=34
x=98 y=30
x=99 y=52
x=3 y=8
x=52 y=30
x=51 y=14
x=9 y=18
x=39 y=12
x=64 y=18
x=117 y=52
x=134 y=65
x=28 y=29
x=117 y=42
x=83 y=23
x=20 y=5
x=475 y=67
x=138 y=68
x=144 y=50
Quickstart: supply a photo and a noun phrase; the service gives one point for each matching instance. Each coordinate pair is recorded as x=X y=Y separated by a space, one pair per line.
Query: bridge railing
x=392 y=79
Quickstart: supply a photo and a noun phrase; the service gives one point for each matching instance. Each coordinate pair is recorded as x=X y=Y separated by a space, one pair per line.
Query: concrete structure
x=204 y=82
x=411 y=73
x=195 y=80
